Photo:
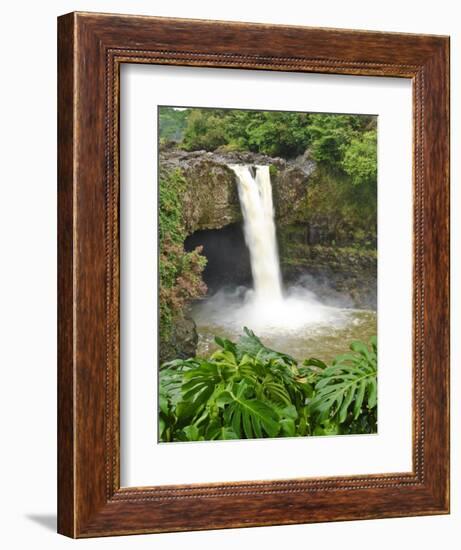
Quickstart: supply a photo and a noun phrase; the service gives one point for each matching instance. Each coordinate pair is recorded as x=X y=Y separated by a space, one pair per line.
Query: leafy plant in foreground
x=246 y=390
x=348 y=388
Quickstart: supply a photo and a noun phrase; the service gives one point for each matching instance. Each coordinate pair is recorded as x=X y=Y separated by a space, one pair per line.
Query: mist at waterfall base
x=295 y=319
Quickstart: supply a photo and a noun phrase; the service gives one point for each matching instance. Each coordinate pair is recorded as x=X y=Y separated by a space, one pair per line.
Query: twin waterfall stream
x=293 y=320
x=255 y=194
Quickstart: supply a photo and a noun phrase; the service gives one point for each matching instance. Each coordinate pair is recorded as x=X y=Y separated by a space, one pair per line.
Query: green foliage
x=172 y=185
x=278 y=133
x=171 y=123
x=205 y=129
x=346 y=144
x=349 y=385
x=329 y=135
x=360 y=159
x=246 y=390
x=179 y=271
x=273 y=170
x=343 y=143
x=269 y=132
x=338 y=209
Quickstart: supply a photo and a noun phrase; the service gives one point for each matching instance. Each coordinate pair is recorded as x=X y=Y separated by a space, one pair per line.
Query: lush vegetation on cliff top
x=246 y=390
x=345 y=144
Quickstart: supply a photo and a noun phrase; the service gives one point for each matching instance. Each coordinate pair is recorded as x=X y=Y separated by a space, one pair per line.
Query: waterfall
x=283 y=319
x=291 y=321
x=255 y=194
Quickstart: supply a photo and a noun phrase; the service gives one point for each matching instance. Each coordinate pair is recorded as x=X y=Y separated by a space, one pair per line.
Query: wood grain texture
x=91 y=49
x=66 y=487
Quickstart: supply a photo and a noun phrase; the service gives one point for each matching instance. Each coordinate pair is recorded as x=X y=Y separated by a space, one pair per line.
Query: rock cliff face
x=183 y=341
x=211 y=200
x=289 y=186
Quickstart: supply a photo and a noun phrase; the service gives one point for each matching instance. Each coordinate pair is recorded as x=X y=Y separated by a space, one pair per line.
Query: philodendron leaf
x=359 y=399
x=288 y=427
x=224 y=398
x=161 y=427
x=226 y=434
x=163 y=403
x=249 y=343
x=216 y=431
x=372 y=393
x=251 y=418
x=192 y=433
x=342 y=388
x=312 y=362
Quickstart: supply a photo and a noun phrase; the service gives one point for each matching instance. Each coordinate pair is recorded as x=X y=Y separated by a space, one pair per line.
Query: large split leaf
x=349 y=385
x=250 y=344
x=248 y=418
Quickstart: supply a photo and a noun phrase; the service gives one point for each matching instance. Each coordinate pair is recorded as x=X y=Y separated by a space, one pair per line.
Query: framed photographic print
x=253 y=275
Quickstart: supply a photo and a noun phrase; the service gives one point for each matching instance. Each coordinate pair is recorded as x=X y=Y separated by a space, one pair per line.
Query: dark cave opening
x=228 y=257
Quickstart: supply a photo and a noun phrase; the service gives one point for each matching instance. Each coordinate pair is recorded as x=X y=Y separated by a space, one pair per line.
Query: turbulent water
x=292 y=320
x=300 y=325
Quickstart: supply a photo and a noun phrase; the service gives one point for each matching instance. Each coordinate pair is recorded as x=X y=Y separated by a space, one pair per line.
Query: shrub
x=360 y=159
x=205 y=129
x=273 y=170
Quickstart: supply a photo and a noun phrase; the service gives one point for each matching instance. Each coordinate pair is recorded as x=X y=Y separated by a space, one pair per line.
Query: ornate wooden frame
x=91 y=49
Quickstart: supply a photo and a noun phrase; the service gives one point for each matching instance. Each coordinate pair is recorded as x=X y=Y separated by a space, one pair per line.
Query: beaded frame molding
x=91 y=48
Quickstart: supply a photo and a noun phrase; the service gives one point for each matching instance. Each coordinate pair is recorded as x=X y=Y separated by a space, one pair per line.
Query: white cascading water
x=255 y=194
